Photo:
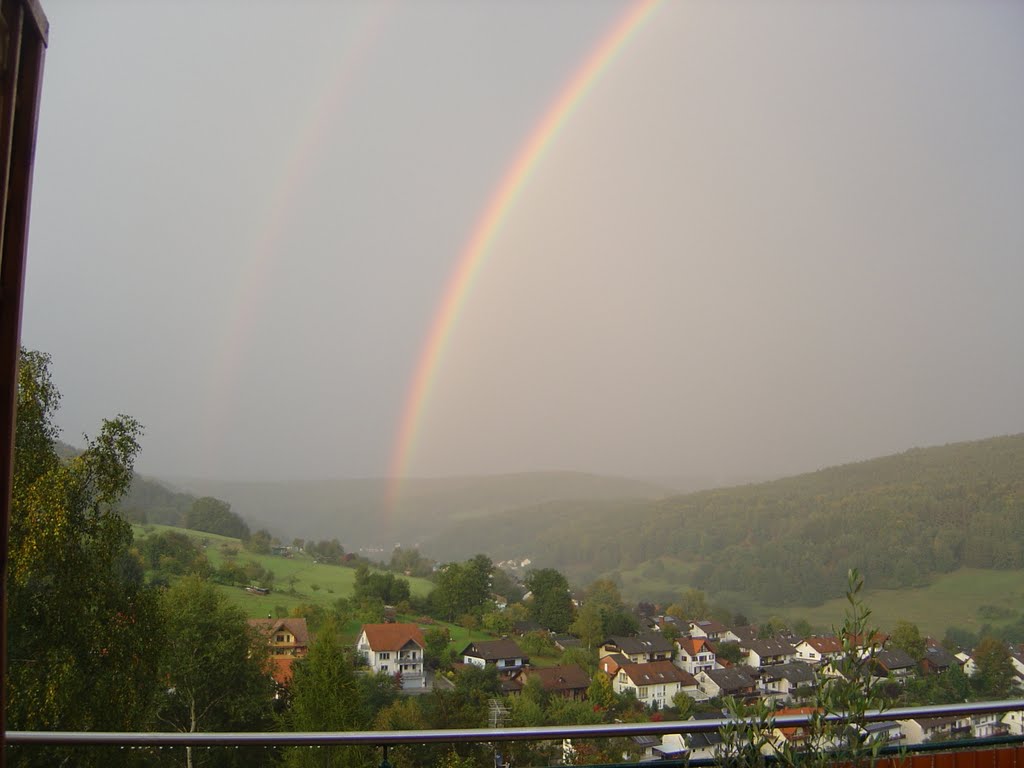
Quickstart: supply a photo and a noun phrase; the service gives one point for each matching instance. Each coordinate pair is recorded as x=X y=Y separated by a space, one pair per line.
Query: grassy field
x=313 y=583
x=952 y=600
x=300 y=573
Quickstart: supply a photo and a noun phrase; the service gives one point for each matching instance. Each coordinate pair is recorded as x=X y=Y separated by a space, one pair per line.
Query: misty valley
x=522 y=600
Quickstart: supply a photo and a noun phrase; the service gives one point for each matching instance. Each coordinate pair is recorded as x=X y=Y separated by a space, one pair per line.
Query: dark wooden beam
x=25 y=31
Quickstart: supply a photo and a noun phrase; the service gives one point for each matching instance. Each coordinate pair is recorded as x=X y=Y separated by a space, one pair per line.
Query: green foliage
x=216 y=668
x=907 y=637
x=847 y=690
x=386 y=587
x=171 y=552
x=326 y=696
x=410 y=562
x=600 y=693
x=329 y=552
x=683 y=704
x=215 y=516
x=692 y=605
x=83 y=630
x=260 y=542
x=537 y=644
x=436 y=640
x=462 y=588
x=551 y=604
x=929 y=511
x=994 y=675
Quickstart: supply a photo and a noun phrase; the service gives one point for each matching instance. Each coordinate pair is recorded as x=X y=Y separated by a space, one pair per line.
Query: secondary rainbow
x=489 y=224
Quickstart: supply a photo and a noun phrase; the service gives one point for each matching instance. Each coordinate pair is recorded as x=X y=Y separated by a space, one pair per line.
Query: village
x=685 y=675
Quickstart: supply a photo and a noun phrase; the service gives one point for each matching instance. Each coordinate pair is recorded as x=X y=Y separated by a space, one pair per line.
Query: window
x=385 y=655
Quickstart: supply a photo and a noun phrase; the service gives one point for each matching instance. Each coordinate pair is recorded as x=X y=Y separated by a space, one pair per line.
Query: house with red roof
x=695 y=654
x=394 y=649
x=818 y=649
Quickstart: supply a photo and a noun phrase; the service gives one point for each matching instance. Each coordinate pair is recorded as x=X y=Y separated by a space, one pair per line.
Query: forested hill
x=900 y=519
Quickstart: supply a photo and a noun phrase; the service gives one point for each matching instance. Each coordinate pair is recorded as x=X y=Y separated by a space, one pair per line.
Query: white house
x=730 y=681
x=710 y=629
x=762 y=653
x=967 y=662
x=695 y=654
x=819 y=648
x=504 y=654
x=1014 y=722
x=654 y=682
x=780 y=682
x=394 y=649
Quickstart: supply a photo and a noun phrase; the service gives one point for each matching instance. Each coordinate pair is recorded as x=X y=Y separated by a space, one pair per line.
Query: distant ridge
x=900 y=519
x=353 y=510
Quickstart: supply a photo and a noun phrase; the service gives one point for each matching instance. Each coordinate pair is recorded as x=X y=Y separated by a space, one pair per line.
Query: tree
x=551 y=606
x=83 y=629
x=684 y=704
x=436 y=639
x=907 y=637
x=386 y=587
x=215 y=516
x=589 y=625
x=326 y=696
x=601 y=693
x=462 y=588
x=260 y=542
x=693 y=604
x=216 y=667
x=993 y=677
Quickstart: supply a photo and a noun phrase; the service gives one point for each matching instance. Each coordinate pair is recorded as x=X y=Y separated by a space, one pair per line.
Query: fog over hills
x=355 y=511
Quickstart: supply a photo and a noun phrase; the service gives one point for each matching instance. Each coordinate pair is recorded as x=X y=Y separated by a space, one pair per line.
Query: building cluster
x=784 y=670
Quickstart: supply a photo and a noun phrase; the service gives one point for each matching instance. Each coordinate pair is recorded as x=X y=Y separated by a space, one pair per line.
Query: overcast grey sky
x=773 y=237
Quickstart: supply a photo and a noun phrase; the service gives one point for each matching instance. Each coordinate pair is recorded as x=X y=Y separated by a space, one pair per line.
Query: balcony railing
x=997 y=752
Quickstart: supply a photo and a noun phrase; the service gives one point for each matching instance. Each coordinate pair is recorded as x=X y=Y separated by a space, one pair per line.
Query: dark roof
x=641 y=644
x=730 y=678
x=657 y=672
x=771 y=648
x=795 y=671
x=939 y=657
x=704 y=740
x=564 y=677
x=710 y=626
x=492 y=650
x=566 y=641
x=745 y=634
x=895 y=658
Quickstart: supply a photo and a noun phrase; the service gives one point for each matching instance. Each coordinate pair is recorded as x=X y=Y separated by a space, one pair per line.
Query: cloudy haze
x=771 y=238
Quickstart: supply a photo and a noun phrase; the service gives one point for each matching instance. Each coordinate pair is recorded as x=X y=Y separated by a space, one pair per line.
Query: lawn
x=953 y=599
x=297 y=579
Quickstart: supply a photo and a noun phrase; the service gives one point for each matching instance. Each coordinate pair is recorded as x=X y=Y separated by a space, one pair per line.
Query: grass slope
x=333 y=581
x=953 y=599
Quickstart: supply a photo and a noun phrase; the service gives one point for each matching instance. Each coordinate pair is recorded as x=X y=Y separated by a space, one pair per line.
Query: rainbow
x=489 y=224
x=254 y=286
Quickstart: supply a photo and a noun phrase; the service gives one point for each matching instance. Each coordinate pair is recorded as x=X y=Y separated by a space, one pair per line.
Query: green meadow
x=297 y=579
x=953 y=599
